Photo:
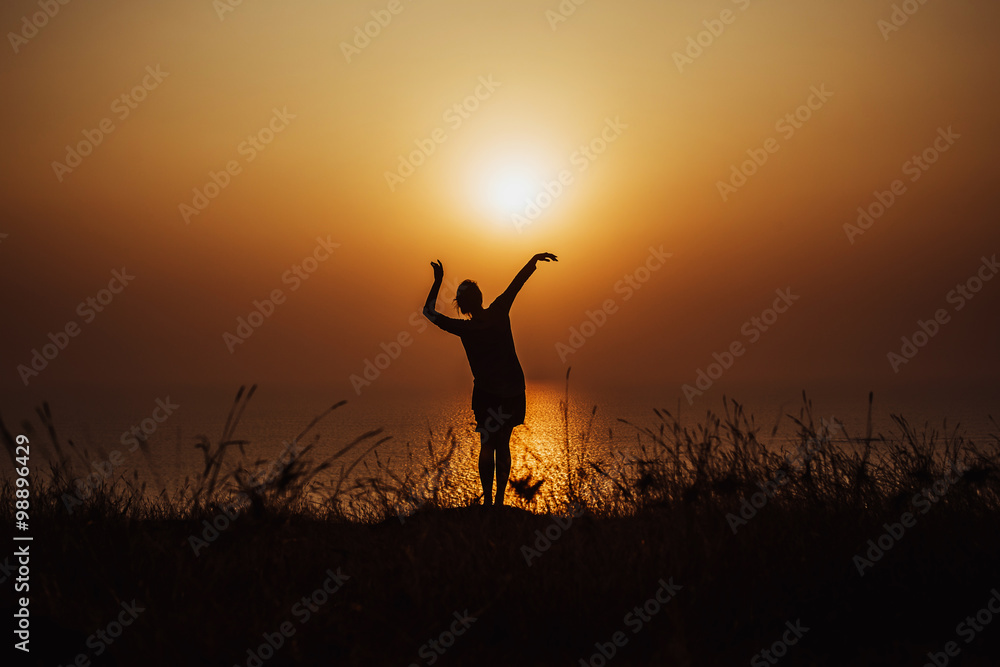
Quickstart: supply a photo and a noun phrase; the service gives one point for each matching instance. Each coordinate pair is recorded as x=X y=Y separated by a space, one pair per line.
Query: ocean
x=105 y=425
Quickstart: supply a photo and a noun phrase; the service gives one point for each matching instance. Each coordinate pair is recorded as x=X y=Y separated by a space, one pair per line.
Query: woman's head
x=468 y=297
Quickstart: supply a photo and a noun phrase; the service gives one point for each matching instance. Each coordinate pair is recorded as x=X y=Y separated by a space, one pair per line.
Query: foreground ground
x=709 y=547
x=788 y=574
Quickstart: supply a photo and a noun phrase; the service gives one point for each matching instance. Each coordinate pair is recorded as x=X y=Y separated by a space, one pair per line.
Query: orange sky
x=664 y=132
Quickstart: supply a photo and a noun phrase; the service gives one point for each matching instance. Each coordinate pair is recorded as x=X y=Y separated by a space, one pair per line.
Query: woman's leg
x=486 y=466
x=502 y=445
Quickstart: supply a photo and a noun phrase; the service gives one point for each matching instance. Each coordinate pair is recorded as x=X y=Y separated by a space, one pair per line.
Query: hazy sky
x=373 y=155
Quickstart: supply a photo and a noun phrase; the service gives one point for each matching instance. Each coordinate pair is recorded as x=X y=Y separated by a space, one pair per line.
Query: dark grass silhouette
x=659 y=514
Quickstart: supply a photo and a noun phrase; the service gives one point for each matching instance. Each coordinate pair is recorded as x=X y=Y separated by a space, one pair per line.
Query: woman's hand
x=438 y=270
x=544 y=257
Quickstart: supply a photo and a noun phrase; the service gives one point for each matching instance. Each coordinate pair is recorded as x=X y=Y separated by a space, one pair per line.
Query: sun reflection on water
x=543 y=451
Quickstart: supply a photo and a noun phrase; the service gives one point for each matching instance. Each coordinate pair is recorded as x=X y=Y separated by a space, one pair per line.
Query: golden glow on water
x=538 y=448
x=542 y=450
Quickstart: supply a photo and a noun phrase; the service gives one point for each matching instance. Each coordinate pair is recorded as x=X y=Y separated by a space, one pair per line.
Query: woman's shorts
x=495 y=412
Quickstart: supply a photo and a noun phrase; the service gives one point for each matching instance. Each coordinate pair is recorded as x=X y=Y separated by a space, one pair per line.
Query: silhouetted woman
x=498 y=381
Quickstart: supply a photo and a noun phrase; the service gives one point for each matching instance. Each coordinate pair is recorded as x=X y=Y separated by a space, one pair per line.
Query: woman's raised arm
x=507 y=298
x=430 y=307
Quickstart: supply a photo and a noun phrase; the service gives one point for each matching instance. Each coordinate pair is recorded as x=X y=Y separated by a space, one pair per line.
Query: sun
x=504 y=187
x=504 y=177
x=511 y=189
